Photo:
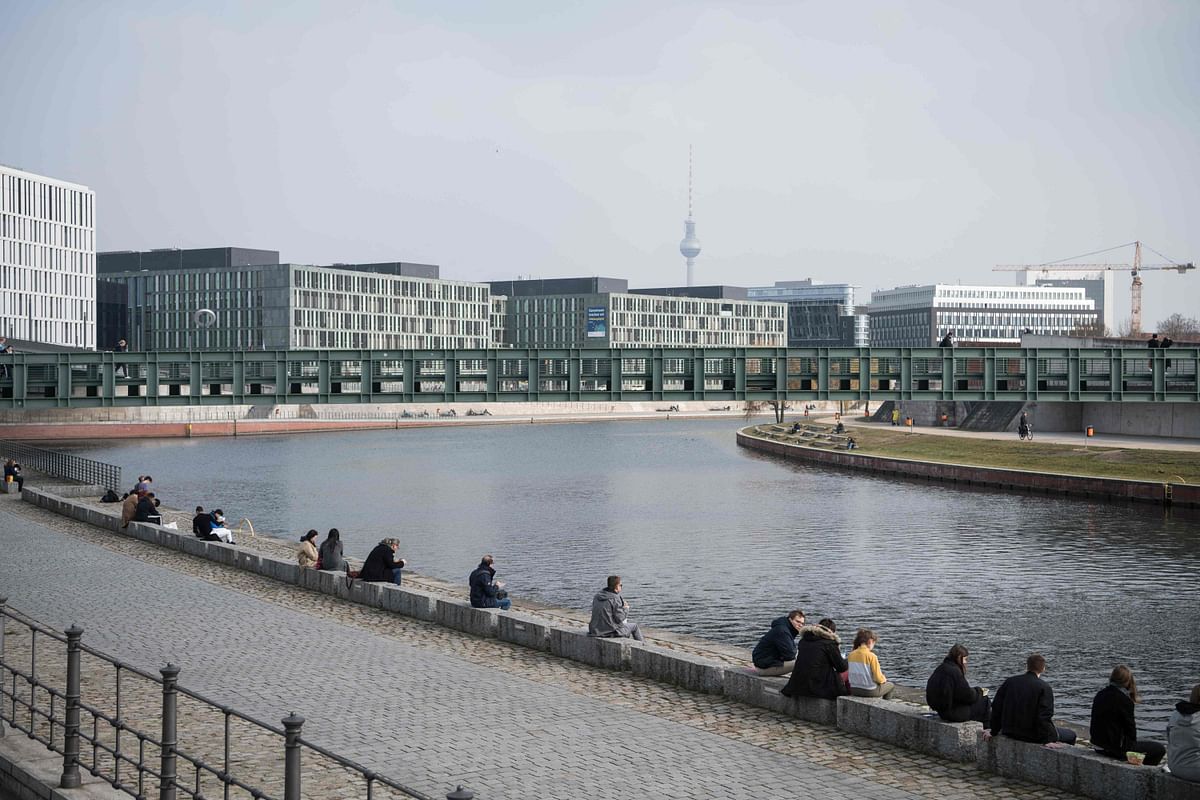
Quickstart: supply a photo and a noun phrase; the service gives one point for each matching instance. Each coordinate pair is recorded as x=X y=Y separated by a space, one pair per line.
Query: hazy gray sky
x=879 y=143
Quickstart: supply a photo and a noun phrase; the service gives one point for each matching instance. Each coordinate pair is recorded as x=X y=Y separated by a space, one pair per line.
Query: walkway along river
x=715 y=540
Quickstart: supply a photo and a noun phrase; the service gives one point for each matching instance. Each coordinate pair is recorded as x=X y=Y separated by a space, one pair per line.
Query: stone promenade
x=425 y=705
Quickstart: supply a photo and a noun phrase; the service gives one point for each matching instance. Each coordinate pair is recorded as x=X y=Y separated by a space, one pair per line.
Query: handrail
x=22 y=706
x=64 y=465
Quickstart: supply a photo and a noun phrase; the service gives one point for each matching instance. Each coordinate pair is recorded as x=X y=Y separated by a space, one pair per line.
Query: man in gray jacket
x=610 y=614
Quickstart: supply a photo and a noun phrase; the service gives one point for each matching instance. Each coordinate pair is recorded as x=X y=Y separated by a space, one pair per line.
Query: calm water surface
x=715 y=540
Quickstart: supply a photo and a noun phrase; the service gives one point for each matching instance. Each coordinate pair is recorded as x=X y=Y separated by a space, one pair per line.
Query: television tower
x=690 y=246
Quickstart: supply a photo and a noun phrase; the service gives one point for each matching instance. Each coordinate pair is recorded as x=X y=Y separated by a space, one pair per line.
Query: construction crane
x=1135 y=269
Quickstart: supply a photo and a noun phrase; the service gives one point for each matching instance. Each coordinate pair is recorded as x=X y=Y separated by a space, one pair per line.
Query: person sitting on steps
x=610 y=614
x=775 y=653
x=1113 y=729
x=381 y=565
x=1024 y=708
x=330 y=555
x=819 y=664
x=486 y=592
x=948 y=693
x=866 y=678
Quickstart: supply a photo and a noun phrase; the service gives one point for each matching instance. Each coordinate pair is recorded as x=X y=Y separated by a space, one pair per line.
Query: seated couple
x=211 y=526
x=816 y=664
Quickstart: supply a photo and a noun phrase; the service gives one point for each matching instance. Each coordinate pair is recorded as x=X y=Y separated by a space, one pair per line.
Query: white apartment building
x=987 y=316
x=47 y=260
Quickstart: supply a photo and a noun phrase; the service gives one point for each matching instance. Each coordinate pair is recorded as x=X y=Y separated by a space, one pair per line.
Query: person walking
x=1113 y=729
x=866 y=678
x=775 y=653
x=331 y=552
x=307 y=556
x=485 y=591
x=1024 y=708
x=819 y=663
x=610 y=614
x=1183 y=738
x=949 y=694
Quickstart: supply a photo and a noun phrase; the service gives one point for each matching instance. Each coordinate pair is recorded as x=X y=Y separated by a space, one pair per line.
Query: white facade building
x=987 y=316
x=47 y=260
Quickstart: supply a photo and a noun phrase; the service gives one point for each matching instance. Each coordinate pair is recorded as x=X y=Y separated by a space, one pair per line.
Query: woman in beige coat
x=307 y=556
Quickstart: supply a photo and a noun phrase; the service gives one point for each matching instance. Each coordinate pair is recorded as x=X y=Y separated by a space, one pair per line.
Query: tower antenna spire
x=689 y=248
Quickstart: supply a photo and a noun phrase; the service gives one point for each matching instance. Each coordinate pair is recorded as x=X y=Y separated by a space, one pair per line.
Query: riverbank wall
x=907 y=725
x=1185 y=495
x=1171 y=420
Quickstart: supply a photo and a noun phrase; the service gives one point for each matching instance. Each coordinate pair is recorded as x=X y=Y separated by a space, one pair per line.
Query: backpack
x=110 y=497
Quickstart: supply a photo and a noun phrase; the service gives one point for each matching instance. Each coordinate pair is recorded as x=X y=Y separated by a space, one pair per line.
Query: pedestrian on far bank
x=486 y=592
x=381 y=565
x=895 y=415
x=307 y=556
x=775 y=653
x=949 y=694
x=1183 y=738
x=866 y=678
x=331 y=551
x=610 y=614
x=1024 y=708
x=819 y=663
x=122 y=346
x=1113 y=729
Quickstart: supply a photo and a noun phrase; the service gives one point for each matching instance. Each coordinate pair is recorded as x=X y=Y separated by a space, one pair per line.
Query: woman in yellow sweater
x=866 y=678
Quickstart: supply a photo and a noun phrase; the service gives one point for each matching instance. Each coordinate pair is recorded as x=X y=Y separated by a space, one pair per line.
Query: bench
x=745 y=687
x=576 y=645
x=523 y=630
x=462 y=616
x=1079 y=770
x=908 y=726
x=671 y=666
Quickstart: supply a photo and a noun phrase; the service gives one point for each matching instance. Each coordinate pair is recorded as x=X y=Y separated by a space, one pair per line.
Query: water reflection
x=715 y=540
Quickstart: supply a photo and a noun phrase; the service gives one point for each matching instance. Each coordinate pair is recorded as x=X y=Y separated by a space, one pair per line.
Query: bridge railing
x=149 y=735
x=63 y=465
x=228 y=378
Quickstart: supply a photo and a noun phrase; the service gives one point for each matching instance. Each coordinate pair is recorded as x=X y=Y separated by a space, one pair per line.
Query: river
x=715 y=541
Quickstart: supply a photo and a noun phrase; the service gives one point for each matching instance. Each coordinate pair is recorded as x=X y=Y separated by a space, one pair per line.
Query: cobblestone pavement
x=426 y=705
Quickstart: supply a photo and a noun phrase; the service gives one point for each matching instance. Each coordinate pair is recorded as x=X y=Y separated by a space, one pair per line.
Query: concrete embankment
x=1185 y=495
x=907 y=725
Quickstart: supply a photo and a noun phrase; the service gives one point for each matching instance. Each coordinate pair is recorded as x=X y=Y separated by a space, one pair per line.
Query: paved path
x=1053 y=437
x=429 y=706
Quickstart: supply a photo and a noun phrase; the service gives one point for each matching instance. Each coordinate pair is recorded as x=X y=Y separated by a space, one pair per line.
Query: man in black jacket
x=1024 y=707
x=819 y=664
x=775 y=653
x=485 y=591
x=382 y=565
x=202 y=524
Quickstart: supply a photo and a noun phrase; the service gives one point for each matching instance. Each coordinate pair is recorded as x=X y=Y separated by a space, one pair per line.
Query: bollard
x=291 y=760
x=461 y=794
x=170 y=704
x=70 y=775
x=3 y=626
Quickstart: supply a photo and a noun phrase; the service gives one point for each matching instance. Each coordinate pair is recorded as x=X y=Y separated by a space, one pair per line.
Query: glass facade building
x=818 y=314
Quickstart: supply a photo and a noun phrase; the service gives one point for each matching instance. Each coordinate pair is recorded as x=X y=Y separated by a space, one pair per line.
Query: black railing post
x=70 y=774
x=291 y=762
x=461 y=794
x=170 y=680
x=3 y=626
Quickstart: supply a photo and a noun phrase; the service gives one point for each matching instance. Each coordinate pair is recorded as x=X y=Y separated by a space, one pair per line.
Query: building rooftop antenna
x=689 y=248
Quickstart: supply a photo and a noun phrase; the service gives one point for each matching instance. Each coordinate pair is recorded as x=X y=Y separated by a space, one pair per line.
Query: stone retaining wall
x=1179 y=494
x=905 y=725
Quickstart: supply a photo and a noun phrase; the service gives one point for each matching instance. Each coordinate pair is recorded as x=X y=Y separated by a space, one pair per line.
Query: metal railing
x=43 y=700
x=63 y=465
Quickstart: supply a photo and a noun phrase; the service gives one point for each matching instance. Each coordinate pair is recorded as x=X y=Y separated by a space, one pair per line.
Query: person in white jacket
x=1183 y=738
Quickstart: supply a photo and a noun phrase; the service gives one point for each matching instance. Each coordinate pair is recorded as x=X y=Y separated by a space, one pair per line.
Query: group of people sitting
x=211 y=526
x=140 y=504
x=381 y=566
x=1023 y=707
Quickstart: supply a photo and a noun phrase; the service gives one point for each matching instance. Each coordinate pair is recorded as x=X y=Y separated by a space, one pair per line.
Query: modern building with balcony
x=818 y=314
x=47 y=260
x=985 y=316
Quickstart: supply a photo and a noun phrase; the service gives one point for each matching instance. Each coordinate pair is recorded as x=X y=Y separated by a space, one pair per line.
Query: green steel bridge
x=84 y=380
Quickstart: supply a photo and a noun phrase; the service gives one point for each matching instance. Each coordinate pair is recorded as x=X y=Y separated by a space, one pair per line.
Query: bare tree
x=752 y=407
x=1179 y=327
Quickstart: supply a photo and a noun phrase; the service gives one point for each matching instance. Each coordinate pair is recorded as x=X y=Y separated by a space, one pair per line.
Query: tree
x=1094 y=329
x=1179 y=327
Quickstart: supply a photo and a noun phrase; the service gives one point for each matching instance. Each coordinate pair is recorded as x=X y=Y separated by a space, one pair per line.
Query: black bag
x=501 y=594
x=110 y=497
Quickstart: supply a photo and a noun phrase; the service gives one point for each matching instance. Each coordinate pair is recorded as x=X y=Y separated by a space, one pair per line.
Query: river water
x=716 y=540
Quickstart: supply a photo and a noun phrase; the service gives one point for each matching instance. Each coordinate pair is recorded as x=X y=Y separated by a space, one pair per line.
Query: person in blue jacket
x=775 y=653
x=484 y=590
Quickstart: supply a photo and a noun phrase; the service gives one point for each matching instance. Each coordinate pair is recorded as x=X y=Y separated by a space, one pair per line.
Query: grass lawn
x=1175 y=466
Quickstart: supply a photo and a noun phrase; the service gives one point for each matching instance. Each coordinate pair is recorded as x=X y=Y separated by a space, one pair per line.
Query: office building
x=216 y=299
x=1096 y=285
x=818 y=314
x=919 y=316
x=47 y=260
x=604 y=313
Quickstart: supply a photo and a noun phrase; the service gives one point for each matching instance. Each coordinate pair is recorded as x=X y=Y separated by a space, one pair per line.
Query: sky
x=873 y=143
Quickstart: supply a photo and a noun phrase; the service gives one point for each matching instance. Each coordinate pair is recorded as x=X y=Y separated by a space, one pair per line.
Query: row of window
x=375 y=284
x=41 y=256
x=15 y=278
x=55 y=234
x=34 y=198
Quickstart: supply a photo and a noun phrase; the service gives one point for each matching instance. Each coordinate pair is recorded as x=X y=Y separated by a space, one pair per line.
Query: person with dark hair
x=947 y=340
x=1183 y=738
x=1153 y=341
x=775 y=653
x=866 y=678
x=486 y=592
x=1024 y=707
x=12 y=474
x=610 y=614
x=381 y=565
x=949 y=694
x=1113 y=729
x=330 y=556
x=202 y=524
x=218 y=527
x=307 y=556
x=819 y=663
x=146 y=509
